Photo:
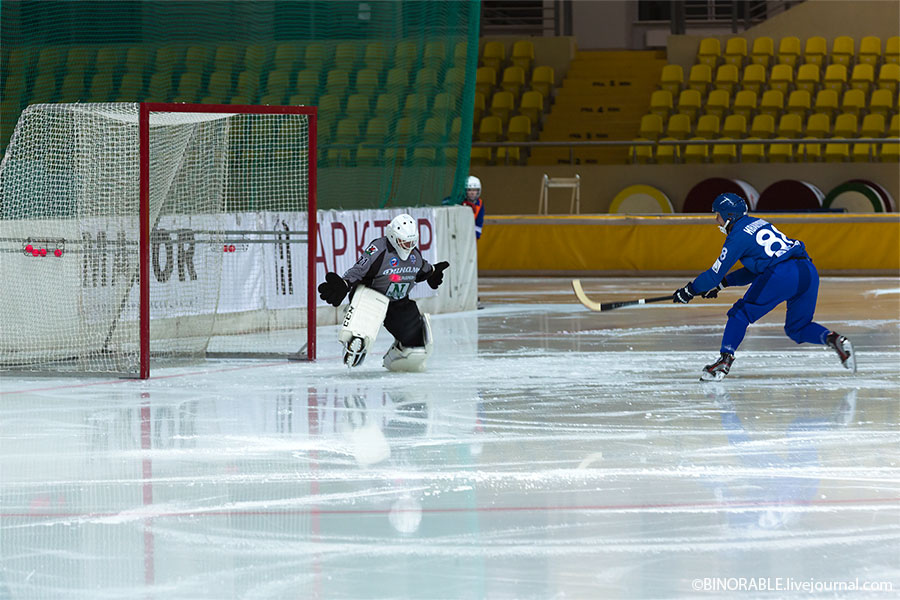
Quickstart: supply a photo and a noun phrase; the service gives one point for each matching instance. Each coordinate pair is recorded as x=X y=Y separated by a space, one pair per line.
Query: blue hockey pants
x=794 y=281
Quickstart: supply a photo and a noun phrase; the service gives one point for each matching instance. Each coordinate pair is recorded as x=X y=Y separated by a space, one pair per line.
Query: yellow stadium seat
x=443 y=105
x=651 y=127
x=724 y=153
x=405 y=54
x=872 y=126
x=479 y=108
x=286 y=56
x=745 y=104
x=843 y=50
x=835 y=77
x=763 y=51
x=799 y=102
x=513 y=80
x=894 y=129
x=826 y=102
x=837 y=152
x=853 y=102
x=661 y=103
x=426 y=80
x=337 y=82
x=358 y=106
x=818 y=125
x=435 y=54
x=763 y=126
x=316 y=56
x=891 y=152
x=79 y=60
x=815 y=50
x=377 y=130
x=329 y=107
x=519 y=129
x=882 y=102
x=394 y=155
x=696 y=153
x=415 y=105
x=671 y=79
x=782 y=77
x=790 y=125
x=404 y=130
x=266 y=100
x=102 y=87
x=892 y=50
x=485 y=80
x=870 y=50
x=367 y=82
x=14 y=87
x=397 y=81
x=726 y=77
x=277 y=82
x=502 y=104
x=523 y=54
x=454 y=80
x=434 y=130
x=736 y=51
x=717 y=103
x=460 y=53
x=846 y=125
x=710 y=52
x=862 y=77
x=375 y=56
x=72 y=88
x=50 y=59
x=889 y=77
x=754 y=78
x=107 y=59
x=508 y=155
x=772 y=103
x=808 y=78
x=226 y=58
x=810 y=152
x=689 y=103
x=130 y=87
x=347 y=131
x=137 y=59
x=707 y=127
x=789 y=51
x=160 y=86
x=753 y=152
x=490 y=129
x=189 y=85
x=493 y=55
x=640 y=154
x=367 y=156
x=481 y=156
x=700 y=78
x=196 y=59
x=780 y=152
x=255 y=57
x=863 y=152
x=678 y=127
x=532 y=106
x=346 y=56
x=168 y=58
x=247 y=84
x=668 y=154
x=542 y=80
x=43 y=89
x=307 y=82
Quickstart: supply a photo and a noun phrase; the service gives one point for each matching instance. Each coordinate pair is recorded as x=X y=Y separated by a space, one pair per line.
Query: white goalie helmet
x=473 y=183
x=403 y=234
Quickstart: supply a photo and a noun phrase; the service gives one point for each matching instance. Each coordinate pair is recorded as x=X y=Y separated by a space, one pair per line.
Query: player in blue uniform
x=778 y=270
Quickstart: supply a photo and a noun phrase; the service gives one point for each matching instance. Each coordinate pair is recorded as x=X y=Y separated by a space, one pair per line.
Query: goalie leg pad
x=362 y=321
x=411 y=359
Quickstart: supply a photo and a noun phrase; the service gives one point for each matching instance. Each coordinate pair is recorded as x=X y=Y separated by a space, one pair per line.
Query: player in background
x=473 y=200
x=778 y=270
x=379 y=285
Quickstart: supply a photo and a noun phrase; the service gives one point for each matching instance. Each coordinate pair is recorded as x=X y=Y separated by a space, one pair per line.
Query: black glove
x=436 y=277
x=683 y=295
x=714 y=293
x=333 y=289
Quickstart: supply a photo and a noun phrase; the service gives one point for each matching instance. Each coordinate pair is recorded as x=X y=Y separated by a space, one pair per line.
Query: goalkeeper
x=379 y=285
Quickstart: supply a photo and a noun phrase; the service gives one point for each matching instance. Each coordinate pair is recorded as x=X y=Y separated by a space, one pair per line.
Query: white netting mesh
x=228 y=211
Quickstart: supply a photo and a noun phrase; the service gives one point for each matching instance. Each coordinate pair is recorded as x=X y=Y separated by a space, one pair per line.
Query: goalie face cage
x=166 y=230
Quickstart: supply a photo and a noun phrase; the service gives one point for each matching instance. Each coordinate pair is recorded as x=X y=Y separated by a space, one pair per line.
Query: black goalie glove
x=333 y=289
x=436 y=277
x=714 y=293
x=683 y=295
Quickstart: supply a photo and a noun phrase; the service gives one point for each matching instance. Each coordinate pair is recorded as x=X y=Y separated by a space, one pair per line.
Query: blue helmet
x=730 y=207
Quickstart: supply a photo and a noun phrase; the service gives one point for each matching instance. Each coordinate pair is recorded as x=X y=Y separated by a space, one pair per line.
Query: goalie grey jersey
x=381 y=269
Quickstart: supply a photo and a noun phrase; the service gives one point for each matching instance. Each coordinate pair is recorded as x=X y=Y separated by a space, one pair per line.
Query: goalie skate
x=362 y=321
x=844 y=350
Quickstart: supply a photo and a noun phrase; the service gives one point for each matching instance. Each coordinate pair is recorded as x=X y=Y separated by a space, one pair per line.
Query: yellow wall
x=635 y=245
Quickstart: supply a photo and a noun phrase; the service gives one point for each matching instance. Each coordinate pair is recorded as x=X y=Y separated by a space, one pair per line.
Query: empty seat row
x=843 y=51
x=493 y=55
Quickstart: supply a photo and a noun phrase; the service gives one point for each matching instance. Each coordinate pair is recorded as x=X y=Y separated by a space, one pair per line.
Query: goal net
x=167 y=230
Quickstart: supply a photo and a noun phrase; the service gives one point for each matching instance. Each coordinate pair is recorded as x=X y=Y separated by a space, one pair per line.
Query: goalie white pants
x=410 y=328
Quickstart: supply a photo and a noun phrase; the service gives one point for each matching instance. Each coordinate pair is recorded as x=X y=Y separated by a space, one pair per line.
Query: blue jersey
x=758 y=245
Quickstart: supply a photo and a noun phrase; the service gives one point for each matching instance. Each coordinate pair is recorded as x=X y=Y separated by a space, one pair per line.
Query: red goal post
x=173 y=230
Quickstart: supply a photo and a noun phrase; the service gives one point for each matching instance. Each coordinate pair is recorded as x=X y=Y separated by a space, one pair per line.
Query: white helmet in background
x=473 y=183
x=403 y=234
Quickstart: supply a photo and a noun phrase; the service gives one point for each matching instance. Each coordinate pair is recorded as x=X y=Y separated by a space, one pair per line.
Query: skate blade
x=712 y=376
x=850 y=363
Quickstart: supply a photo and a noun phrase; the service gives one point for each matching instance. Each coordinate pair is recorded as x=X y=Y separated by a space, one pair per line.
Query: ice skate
x=844 y=350
x=354 y=354
x=719 y=369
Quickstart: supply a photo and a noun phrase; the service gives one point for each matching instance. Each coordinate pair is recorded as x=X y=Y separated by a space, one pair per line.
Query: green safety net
x=393 y=80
